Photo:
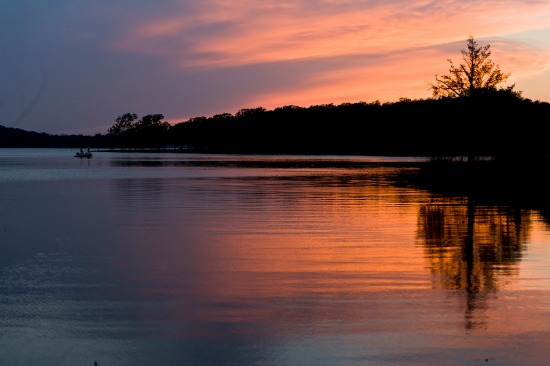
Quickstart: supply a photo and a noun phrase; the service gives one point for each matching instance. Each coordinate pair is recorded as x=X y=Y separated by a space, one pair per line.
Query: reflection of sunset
x=290 y=242
x=196 y=259
x=320 y=247
x=473 y=248
x=325 y=237
x=496 y=244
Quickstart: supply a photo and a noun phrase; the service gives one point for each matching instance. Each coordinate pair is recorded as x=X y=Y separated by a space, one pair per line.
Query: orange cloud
x=221 y=33
x=410 y=41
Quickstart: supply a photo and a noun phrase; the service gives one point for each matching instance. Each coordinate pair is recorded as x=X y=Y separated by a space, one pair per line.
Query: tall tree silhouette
x=123 y=124
x=478 y=74
x=121 y=132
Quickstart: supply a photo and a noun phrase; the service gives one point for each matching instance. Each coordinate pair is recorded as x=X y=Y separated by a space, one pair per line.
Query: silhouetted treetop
x=149 y=131
x=498 y=123
x=476 y=75
x=123 y=124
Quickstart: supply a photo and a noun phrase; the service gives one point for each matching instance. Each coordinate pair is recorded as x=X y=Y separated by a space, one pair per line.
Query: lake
x=190 y=259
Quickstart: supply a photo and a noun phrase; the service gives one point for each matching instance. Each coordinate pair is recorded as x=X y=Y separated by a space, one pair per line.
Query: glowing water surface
x=182 y=259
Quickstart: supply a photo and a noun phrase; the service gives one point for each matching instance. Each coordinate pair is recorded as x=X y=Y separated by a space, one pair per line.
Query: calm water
x=167 y=259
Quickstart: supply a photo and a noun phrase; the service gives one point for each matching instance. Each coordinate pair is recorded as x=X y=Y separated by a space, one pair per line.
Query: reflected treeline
x=464 y=243
x=519 y=181
x=475 y=232
x=472 y=248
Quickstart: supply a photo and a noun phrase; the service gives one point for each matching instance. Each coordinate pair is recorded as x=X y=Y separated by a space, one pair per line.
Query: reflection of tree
x=472 y=248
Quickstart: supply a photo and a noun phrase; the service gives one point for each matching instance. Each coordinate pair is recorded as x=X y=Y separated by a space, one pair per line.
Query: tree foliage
x=149 y=131
x=473 y=127
x=478 y=74
x=123 y=124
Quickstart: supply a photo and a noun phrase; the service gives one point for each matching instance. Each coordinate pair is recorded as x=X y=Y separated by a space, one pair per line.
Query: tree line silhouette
x=468 y=115
x=492 y=124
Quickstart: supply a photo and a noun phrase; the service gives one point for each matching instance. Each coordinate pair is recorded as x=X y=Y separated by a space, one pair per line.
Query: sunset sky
x=73 y=66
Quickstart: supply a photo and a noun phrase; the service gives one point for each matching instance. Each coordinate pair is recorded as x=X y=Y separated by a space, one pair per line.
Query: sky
x=74 y=66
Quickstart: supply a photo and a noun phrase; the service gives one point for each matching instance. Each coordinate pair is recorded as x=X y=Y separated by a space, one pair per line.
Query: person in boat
x=81 y=151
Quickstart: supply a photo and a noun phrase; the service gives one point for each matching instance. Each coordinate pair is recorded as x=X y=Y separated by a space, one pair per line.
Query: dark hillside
x=15 y=137
x=499 y=124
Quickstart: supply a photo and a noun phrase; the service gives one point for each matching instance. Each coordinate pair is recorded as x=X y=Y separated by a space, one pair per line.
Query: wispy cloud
x=187 y=58
x=228 y=33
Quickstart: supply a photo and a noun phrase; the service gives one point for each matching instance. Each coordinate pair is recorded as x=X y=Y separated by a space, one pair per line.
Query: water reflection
x=472 y=248
x=201 y=260
x=268 y=254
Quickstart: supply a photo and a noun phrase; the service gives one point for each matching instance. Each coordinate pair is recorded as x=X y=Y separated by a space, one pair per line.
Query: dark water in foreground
x=167 y=259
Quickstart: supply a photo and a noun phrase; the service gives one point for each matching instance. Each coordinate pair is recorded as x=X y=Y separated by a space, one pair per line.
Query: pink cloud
x=222 y=33
x=411 y=42
x=202 y=57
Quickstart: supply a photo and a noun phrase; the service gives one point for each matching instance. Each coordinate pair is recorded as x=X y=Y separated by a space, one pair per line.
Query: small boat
x=82 y=154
